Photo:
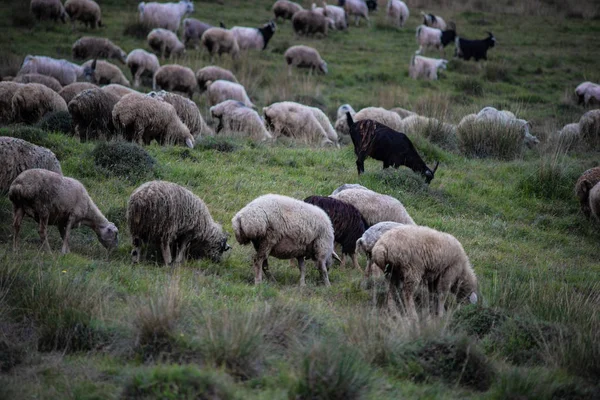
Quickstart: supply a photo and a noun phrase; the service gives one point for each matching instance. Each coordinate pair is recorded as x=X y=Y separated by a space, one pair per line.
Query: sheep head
x=108 y=235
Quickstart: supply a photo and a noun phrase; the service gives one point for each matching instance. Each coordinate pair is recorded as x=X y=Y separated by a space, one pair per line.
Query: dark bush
x=59 y=121
x=476 y=320
x=470 y=86
x=224 y=145
x=10 y=355
x=29 y=133
x=178 y=382
x=136 y=29
x=124 y=159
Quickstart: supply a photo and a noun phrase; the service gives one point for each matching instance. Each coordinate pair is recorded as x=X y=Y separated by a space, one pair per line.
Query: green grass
x=92 y=326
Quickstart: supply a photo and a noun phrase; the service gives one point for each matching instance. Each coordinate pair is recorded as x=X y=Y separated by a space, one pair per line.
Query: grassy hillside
x=88 y=326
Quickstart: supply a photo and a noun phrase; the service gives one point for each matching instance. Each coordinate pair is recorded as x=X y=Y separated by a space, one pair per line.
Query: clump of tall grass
x=495 y=139
x=470 y=86
x=437 y=108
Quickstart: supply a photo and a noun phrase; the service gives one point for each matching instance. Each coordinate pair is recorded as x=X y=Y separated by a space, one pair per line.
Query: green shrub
x=59 y=121
x=332 y=371
x=476 y=320
x=403 y=178
x=222 y=144
x=31 y=134
x=470 y=86
x=490 y=139
x=497 y=72
x=552 y=179
x=178 y=382
x=124 y=159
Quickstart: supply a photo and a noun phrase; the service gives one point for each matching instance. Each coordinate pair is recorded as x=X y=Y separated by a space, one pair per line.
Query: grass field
x=88 y=326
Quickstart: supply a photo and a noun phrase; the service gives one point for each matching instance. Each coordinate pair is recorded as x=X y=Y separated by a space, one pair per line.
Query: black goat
x=477 y=49
x=348 y=224
x=370 y=138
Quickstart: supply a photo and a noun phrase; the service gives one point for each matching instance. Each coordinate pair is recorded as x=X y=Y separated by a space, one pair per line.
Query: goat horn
x=435 y=167
x=334 y=255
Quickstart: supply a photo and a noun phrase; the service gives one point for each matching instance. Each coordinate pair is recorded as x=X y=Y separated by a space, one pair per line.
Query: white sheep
x=219 y=41
x=73 y=89
x=33 y=100
x=347 y=186
x=397 y=12
x=368 y=240
x=91 y=114
x=587 y=91
x=254 y=38
x=335 y=15
x=584 y=185
x=48 y=9
x=234 y=118
x=341 y=123
x=171 y=216
x=213 y=73
x=165 y=43
x=45 y=80
x=434 y=21
x=425 y=68
x=358 y=9
x=417 y=254
x=106 y=73
x=7 y=91
x=300 y=122
x=187 y=111
x=375 y=207
x=301 y=56
x=310 y=22
x=381 y=115
x=433 y=38
x=285 y=228
x=53 y=199
x=589 y=125
x=141 y=63
x=176 y=78
x=18 y=155
x=221 y=90
x=88 y=47
x=63 y=71
x=164 y=15
x=86 y=11
x=402 y=112
x=285 y=9
x=492 y=115
x=143 y=118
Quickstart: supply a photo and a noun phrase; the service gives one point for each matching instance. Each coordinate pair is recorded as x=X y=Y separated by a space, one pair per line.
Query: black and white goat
x=254 y=38
x=432 y=37
x=477 y=49
x=370 y=138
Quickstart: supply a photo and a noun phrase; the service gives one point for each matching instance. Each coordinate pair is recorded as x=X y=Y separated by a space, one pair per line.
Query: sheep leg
x=343 y=262
x=19 y=212
x=266 y=271
x=323 y=269
x=181 y=249
x=166 y=252
x=302 y=271
x=368 y=268
x=43 y=231
x=137 y=250
x=65 y=232
x=262 y=253
x=355 y=261
x=289 y=70
x=408 y=296
x=138 y=77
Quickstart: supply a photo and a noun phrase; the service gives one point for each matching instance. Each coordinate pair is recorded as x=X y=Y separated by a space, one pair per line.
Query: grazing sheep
x=348 y=224
x=73 y=89
x=301 y=56
x=63 y=71
x=106 y=73
x=45 y=80
x=494 y=116
x=299 y=122
x=397 y=12
x=213 y=73
x=17 y=155
x=88 y=47
x=368 y=240
x=285 y=9
x=594 y=200
x=356 y=8
x=341 y=123
x=86 y=11
x=465 y=48
x=254 y=38
x=175 y=77
x=193 y=30
x=164 y=15
x=417 y=125
x=285 y=228
x=142 y=118
x=347 y=186
x=219 y=41
x=234 y=118
x=187 y=111
x=425 y=68
x=370 y=138
x=417 y=254
x=402 y=112
x=569 y=136
x=587 y=92
x=118 y=90
x=53 y=199
x=309 y=22
x=171 y=216
x=584 y=184
x=381 y=115
x=375 y=207
x=141 y=63
x=7 y=91
x=336 y=14
x=165 y=43
x=432 y=37
x=220 y=90
x=48 y=9
x=33 y=100
x=589 y=124
x=91 y=112
x=434 y=21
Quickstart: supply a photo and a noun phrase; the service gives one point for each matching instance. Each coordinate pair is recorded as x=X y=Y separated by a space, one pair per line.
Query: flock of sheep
x=181 y=225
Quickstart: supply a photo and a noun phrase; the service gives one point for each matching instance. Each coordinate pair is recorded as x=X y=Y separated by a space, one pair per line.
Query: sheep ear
x=189 y=142
x=473 y=298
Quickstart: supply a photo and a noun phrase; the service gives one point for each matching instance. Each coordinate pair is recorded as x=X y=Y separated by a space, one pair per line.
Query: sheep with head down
x=106 y=73
x=301 y=56
x=368 y=240
x=91 y=113
x=86 y=11
x=141 y=64
x=187 y=111
x=309 y=22
x=236 y=119
x=7 y=91
x=425 y=67
x=285 y=228
x=584 y=185
x=221 y=90
x=32 y=101
x=70 y=91
x=220 y=41
x=356 y=8
x=397 y=12
x=165 y=43
x=48 y=9
x=41 y=79
x=65 y=72
x=213 y=73
x=341 y=123
x=174 y=77
x=285 y=9
x=88 y=47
